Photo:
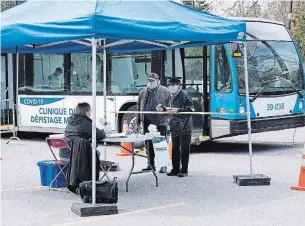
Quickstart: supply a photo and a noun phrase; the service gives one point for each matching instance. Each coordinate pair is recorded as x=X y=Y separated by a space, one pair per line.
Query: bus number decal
x=277 y=107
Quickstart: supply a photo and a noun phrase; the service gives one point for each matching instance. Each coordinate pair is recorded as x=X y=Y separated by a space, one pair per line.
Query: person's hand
x=172 y=110
x=159 y=108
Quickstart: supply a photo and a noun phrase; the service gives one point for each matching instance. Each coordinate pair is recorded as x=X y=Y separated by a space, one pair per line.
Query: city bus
x=50 y=85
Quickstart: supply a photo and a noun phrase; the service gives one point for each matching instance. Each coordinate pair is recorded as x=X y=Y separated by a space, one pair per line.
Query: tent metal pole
x=17 y=81
x=93 y=42
x=248 y=107
x=105 y=92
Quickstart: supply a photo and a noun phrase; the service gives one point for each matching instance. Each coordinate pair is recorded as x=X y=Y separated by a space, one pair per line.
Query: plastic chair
x=58 y=143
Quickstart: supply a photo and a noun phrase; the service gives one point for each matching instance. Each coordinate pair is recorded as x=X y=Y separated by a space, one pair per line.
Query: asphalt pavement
x=207 y=196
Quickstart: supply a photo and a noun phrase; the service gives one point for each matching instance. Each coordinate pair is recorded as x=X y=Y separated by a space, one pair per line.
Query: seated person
x=79 y=125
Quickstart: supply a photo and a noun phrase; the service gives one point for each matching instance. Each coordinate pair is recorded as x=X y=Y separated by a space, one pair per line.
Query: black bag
x=106 y=192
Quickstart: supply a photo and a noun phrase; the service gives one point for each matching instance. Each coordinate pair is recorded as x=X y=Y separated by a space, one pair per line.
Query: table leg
x=131 y=170
x=153 y=171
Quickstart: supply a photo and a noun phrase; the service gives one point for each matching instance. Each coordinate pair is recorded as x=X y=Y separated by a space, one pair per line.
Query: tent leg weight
x=254 y=180
x=87 y=209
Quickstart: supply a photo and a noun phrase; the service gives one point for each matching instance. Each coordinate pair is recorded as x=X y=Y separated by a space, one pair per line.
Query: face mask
x=152 y=85
x=88 y=114
x=173 y=89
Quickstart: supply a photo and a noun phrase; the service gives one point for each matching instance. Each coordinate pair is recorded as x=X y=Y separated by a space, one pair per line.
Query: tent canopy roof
x=42 y=22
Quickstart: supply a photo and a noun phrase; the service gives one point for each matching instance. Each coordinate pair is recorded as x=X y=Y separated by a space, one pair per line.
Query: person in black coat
x=79 y=125
x=181 y=126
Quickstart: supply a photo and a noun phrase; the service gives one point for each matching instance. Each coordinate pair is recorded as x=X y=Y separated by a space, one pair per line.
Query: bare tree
x=201 y=5
x=9 y=4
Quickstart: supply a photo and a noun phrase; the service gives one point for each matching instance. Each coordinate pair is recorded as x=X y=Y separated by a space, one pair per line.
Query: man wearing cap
x=181 y=126
x=151 y=98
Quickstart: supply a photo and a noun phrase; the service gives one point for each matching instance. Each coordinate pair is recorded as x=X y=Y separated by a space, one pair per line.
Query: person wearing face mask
x=79 y=125
x=181 y=127
x=150 y=99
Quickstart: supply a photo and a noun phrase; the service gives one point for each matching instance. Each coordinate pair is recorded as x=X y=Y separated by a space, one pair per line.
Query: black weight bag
x=106 y=191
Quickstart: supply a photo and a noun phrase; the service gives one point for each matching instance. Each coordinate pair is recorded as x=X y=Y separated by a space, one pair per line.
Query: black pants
x=149 y=145
x=183 y=143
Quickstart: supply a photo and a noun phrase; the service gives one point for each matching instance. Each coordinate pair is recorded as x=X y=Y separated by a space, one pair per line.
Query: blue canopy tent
x=42 y=22
x=113 y=26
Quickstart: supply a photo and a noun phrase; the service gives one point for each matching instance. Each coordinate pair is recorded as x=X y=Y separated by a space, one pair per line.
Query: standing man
x=151 y=98
x=181 y=126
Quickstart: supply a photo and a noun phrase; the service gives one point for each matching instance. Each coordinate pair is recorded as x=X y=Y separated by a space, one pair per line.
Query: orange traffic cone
x=127 y=145
x=301 y=186
x=123 y=151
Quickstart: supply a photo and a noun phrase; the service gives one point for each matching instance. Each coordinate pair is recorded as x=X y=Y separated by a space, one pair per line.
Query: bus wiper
x=293 y=87
x=275 y=80
x=262 y=89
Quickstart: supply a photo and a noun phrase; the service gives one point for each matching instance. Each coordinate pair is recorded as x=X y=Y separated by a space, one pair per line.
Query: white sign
x=274 y=106
x=161 y=153
x=54 y=111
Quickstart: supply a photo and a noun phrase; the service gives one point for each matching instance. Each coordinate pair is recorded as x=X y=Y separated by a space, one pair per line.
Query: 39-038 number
x=279 y=106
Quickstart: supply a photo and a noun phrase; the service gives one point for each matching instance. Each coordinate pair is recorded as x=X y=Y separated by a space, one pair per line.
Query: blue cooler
x=48 y=171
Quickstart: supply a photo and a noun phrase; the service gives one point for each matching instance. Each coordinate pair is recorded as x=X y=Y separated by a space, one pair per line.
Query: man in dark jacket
x=181 y=126
x=80 y=125
x=150 y=99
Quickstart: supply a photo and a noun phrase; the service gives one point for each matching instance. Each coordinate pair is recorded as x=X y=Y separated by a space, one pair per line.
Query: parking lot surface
x=207 y=196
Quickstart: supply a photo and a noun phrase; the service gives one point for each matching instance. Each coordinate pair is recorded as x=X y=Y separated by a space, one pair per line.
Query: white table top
x=125 y=138
x=116 y=137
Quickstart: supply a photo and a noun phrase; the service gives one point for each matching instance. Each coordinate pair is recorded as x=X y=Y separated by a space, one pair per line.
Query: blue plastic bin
x=48 y=171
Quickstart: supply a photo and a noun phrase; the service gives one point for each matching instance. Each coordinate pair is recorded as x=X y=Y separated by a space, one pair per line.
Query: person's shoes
x=182 y=174
x=148 y=168
x=163 y=169
x=172 y=173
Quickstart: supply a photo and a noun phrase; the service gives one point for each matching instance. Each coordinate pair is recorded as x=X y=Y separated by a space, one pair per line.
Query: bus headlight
x=241 y=109
x=301 y=105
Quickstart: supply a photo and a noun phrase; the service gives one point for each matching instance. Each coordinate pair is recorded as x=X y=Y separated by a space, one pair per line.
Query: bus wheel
x=131 y=119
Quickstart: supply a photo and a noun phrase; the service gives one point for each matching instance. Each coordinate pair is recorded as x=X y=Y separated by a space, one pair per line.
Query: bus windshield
x=273 y=63
x=270 y=61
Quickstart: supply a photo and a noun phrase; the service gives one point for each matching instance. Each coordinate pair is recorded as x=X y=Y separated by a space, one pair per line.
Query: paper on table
x=116 y=135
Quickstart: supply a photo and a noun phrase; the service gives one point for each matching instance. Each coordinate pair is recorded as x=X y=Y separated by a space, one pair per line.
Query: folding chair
x=105 y=166
x=58 y=143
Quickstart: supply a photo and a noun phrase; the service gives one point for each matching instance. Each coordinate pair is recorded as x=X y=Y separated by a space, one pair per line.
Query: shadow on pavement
x=243 y=147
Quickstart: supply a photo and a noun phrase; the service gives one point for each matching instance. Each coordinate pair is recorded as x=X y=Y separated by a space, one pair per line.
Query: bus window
x=168 y=64
x=81 y=72
x=173 y=65
x=193 y=61
x=194 y=71
x=128 y=73
x=48 y=72
x=178 y=64
x=223 y=77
